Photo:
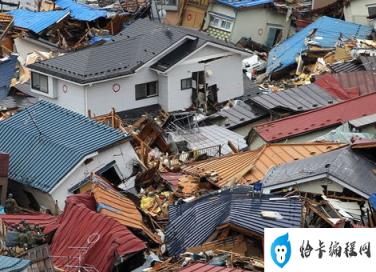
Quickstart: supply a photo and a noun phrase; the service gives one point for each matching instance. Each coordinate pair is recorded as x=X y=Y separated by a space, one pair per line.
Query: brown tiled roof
x=253 y=165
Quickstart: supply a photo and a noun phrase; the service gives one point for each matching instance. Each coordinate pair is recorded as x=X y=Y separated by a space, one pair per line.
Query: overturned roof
x=324 y=32
x=49 y=222
x=81 y=12
x=138 y=43
x=81 y=226
x=244 y=3
x=344 y=166
x=303 y=98
x=37 y=21
x=46 y=141
x=191 y=224
x=254 y=164
x=314 y=120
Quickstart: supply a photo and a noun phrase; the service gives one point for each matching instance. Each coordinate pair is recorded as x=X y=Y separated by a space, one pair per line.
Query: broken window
x=39 y=82
x=372 y=11
x=186 y=83
x=146 y=90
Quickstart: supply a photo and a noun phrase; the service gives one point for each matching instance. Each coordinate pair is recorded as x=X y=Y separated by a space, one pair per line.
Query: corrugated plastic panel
x=201 y=267
x=46 y=141
x=7 y=71
x=244 y=3
x=81 y=12
x=328 y=30
x=8 y=264
x=37 y=21
x=78 y=224
x=317 y=119
x=190 y=224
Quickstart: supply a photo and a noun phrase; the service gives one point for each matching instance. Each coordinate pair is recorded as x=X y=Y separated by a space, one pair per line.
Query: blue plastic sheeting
x=37 y=21
x=372 y=201
x=328 y=31
x=7 y=71
x=244 y=4
x=81 y=12
x=2 y=210
x=8 y=264
x=47 y=141
x=99 y=39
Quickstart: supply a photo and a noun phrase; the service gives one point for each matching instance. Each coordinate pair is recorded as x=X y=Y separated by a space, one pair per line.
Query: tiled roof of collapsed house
x=348 y=85
x=344 y=166
x=324 y=32
x=244 y=3
x=46 y=141
x=7 y=71
x=253 y=165
x=317 y=119
x=137 y=44
x=190 y=224
x=303 y=98
x=202 y=267
x=81 y=12
x=37 y=21
x=80 y=224
x=9 y=264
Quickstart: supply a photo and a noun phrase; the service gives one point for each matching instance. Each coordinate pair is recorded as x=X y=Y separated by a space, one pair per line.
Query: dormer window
x=39 y=82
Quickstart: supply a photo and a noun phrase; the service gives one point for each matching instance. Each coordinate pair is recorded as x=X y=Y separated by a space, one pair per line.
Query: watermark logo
x=281 y=250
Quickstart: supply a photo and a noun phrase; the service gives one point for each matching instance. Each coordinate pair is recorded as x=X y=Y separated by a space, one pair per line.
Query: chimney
x=4 y=170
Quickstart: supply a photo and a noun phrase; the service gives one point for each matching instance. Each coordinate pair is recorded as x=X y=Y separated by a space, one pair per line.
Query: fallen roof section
x=314 y=120
x=253 y=165
x=369 y=62
x=202 y=267
x=244 y=3
x=80 y=226
x=349 y=66
x=81 y=12
x=363 y=121
x=10 y=264
x=324 y=32
x=49 y=222
x=190 y=224
x=37 y=21
x=344 y=166
x=46 y=141
x=303 y=98
x=7 y=72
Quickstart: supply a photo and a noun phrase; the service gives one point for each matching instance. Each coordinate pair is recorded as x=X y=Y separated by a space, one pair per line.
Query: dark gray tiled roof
x=137 y=44
x=303 y=98
x=350 y=66
x=345 y=165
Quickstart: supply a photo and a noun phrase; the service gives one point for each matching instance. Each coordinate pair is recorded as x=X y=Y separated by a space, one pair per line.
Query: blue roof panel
x=81 y=12
x=244 y=3
x=37 y=21
x=8 y=264
x=7 y=71
x=328 y=31
x=46 y=141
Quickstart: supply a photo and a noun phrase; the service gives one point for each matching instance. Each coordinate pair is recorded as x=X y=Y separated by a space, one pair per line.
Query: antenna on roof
x=32 y=119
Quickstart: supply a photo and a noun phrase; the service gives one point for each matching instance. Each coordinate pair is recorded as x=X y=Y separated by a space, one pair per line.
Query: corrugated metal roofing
x=202 y=267
x=343 y=165
x=369 y=62
x=317 y=119
x=116 y=206
x=46 y=141
x=7 y=72
x=349 y=66
x=9 y=264
x=81 y=12
x=190 y=224
x=37 y=21
x=79 y=223
x=244 y=3
x=261 y=161
x=303 y=98
x=44 y=220
x=328 y=30
x=363 y=121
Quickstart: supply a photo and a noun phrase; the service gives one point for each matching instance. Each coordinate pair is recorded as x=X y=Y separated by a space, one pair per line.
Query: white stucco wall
x=357 y=11
x=122 y=153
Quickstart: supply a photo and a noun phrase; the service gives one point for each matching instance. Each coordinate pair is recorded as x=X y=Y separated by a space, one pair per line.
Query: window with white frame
x=39 y=82
x=146 y=90
x=221 y=23
x=186 y=84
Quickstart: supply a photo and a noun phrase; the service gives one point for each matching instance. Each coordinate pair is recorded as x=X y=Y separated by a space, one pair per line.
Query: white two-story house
x=146 y=64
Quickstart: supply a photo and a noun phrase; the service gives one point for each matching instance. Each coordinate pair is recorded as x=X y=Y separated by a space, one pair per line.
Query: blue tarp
x=372 y=201
x=244 y=4
x=328 y=31
x=81 y=12
x=37 y=21
x=9 y=264
x=7 y=72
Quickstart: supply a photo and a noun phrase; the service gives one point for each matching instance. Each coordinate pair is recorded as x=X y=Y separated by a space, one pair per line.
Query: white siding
x=357 y=11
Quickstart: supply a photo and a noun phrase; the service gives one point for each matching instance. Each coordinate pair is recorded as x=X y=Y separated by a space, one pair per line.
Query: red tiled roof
x=49 y=222
x=348 y=85
x=317 y=119
x=78 y=224
x=201 y=267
